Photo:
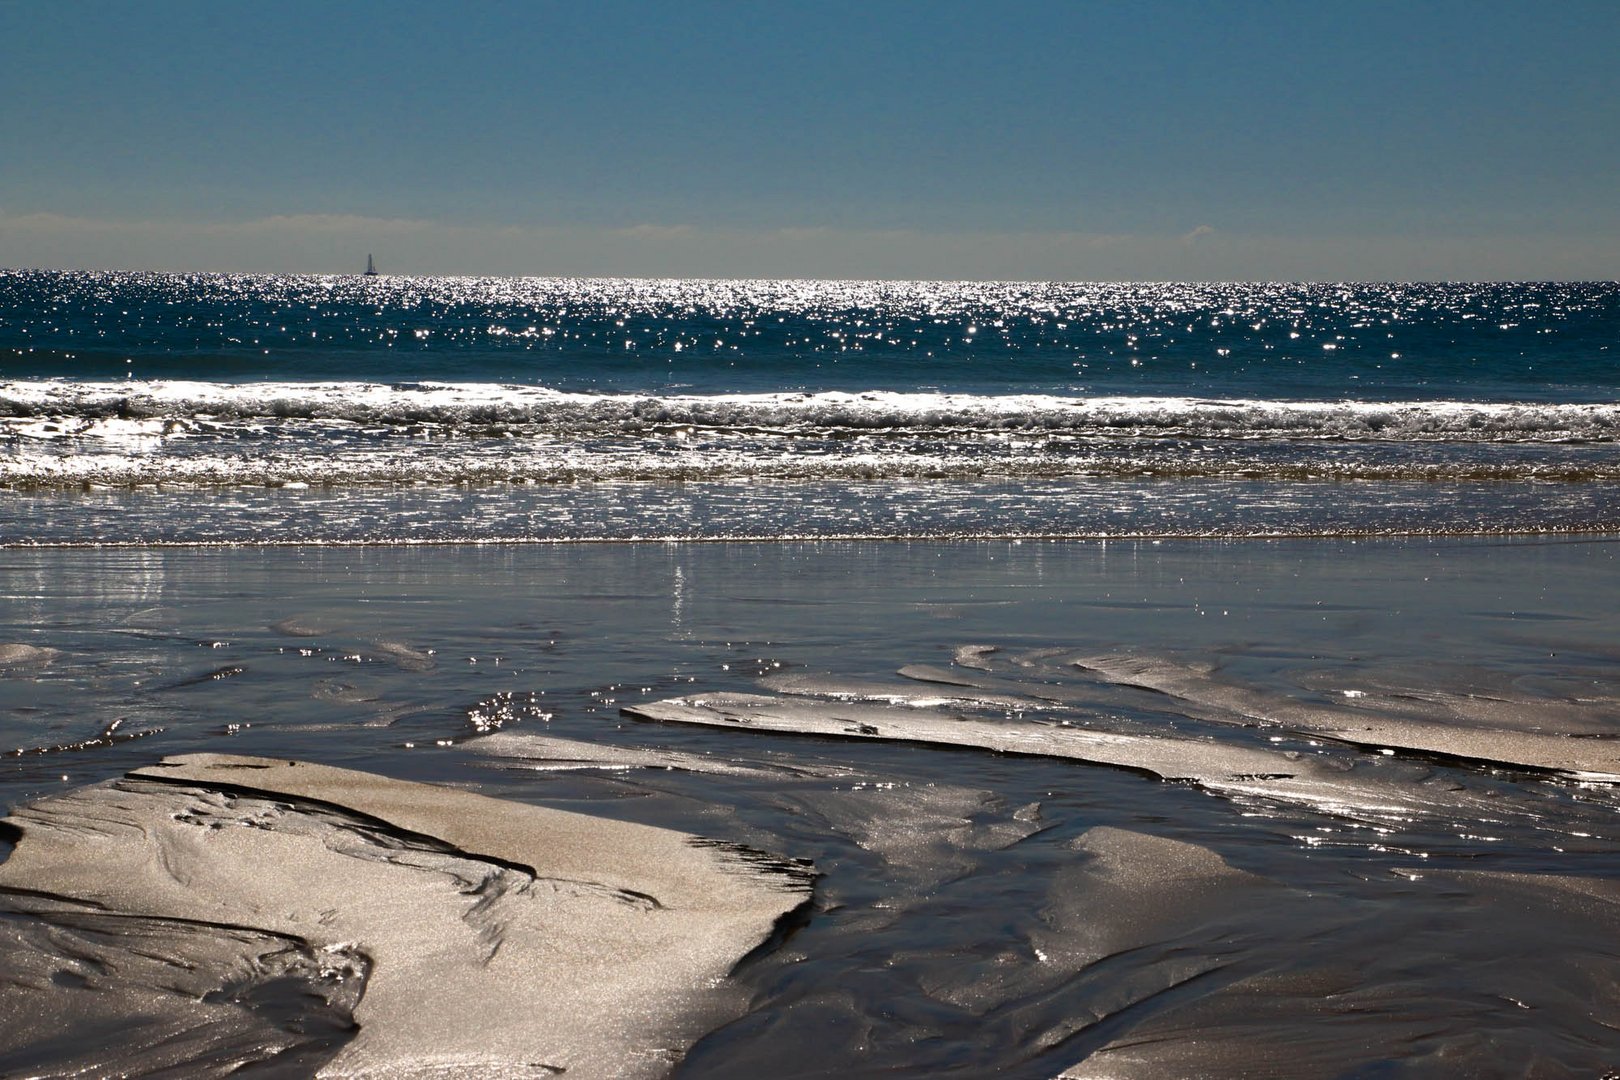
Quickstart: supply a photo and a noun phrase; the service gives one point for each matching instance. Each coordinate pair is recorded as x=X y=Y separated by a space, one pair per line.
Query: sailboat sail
x=371 y=267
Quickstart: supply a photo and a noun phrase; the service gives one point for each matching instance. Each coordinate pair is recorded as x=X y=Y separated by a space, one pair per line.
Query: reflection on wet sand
x=1363 y=824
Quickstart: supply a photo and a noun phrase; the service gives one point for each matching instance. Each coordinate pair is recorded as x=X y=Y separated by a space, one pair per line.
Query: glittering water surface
x=977 y=388
x=1288 y=341
x=1063 y=507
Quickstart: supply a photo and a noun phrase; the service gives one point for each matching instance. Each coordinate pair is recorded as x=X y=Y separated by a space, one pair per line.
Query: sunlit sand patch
x=497 y=939
x=1366 y=709
x=893 y=693
x=1171 y=759
x=405 y=657
x=1476 y=728
x=302 y=626
x=549 y=753
x=16 y=657
x=1362 y=788
x=1476 y=698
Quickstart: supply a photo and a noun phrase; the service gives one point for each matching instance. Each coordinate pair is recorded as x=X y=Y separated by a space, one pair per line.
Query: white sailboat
x=371 y=267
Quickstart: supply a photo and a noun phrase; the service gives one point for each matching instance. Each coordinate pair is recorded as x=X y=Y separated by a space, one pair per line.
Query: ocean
x=462 y=409
x=1160 y=678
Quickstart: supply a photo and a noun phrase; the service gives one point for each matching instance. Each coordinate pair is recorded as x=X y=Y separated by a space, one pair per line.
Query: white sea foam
x=40 y=409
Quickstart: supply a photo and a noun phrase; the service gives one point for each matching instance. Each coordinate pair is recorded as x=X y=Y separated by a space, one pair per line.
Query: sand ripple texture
x=211 y=913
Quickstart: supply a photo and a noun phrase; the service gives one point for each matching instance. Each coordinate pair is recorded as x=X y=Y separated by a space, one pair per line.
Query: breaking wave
x=42 y=409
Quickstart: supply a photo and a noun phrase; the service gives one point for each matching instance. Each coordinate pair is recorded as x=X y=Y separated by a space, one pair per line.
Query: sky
x=937 y=139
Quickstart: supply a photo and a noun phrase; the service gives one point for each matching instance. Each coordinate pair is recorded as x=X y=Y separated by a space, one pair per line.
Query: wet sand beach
x=1289 y=807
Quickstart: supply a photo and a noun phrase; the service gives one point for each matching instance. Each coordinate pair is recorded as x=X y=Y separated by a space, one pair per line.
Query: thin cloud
x=347 y=223
x=650 y=231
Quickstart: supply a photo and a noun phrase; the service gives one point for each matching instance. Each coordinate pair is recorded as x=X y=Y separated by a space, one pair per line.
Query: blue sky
x=938 y=139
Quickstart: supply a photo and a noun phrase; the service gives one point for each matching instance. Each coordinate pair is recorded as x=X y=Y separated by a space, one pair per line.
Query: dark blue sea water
x=1291 y=342
x=970 y=402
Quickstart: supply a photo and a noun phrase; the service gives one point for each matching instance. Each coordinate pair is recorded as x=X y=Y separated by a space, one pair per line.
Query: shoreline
x=1594 y=534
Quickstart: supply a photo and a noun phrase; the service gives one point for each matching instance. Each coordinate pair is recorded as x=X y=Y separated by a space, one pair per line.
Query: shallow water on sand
x=1019 y=913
